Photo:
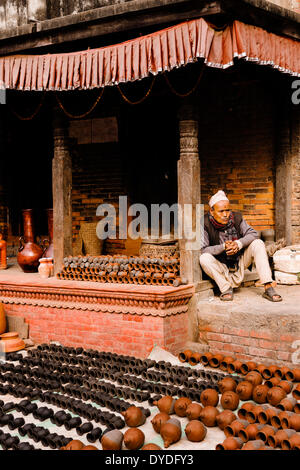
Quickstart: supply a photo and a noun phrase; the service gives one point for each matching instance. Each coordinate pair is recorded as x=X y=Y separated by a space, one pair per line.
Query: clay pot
x=225 y=361
x=249 y=433
x=260 y=368
x=234 y=428
x=287 y=386
x=11 y=342
x=287 y=404
x=2 y=319
x=293 y=375
x=170 y=431
x=292 y=421
x=291 y=442
x=242 y=412
x=296 y=392
x=230 y=443
x=281 y=371
x=252 y=415
x=275 y=395
x=74 y=445
x=29 y=252
x=276 y=420
x=166 y=404
x=208 y=416
x=151 y=447
x=244 y=390
x=89 y=447
x=215 y=360
x=265 y=432
x=194 y=359
x=44 y=268
x=259 y=394
x=234 y=366
x=247 y=367
x=134 y=439
x=205 y=358
x=268 y=371
x=193 y=411
x=257 y=444
x=195 y=431
x=275 y=440
x=185 y=355
x=254 y=377
x=266 y=415
x=227 y=384
x=230 y=400
x=225 y=418
x=3 y=252
x=134 y=416
x=272 y=382
x=209 y=397
x=112 y=440
x=181 y=405
x=158 y=419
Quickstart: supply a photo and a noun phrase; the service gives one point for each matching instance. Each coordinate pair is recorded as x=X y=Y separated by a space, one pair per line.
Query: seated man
x=229 y=247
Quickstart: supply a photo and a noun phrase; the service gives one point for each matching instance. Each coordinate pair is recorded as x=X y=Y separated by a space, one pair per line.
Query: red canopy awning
x=161 y=51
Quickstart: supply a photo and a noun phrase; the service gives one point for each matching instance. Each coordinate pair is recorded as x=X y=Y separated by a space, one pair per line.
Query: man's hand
x=231 y=247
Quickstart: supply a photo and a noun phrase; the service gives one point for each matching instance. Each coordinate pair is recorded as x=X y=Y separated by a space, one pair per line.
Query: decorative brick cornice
x=145 y=302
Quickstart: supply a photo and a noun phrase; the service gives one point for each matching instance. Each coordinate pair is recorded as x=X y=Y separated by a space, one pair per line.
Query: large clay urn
x=49 y=251
x=3 y=253
x=29 y=252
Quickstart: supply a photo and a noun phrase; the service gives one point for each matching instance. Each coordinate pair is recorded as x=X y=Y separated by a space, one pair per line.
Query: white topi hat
x=219 y=196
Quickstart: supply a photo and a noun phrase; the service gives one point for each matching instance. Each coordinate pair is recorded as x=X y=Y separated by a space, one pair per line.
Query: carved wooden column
x=3 y=179
x=189 y=192
x=62 y=192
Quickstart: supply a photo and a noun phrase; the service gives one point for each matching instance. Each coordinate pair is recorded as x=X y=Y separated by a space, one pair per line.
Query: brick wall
x=236 y=147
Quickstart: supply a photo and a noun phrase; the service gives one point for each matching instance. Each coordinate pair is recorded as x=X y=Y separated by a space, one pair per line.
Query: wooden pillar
x=3 y=180
x=189 y=190
x=62 y=192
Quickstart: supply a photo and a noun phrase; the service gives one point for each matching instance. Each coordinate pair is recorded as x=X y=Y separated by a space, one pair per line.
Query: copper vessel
x=29 y=252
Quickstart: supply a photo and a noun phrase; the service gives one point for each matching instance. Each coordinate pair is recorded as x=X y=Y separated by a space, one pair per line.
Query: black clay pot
x=60 y=417
x=43 y=413
x=24 y=446
x=84 y=429
x=8 y=406
x=38 y=433
x=10 y=443
x=16 y=423
x=5 y=419
x=24 y=429
x=20 y=406
x=29 y=409
x=72 y=423
x=95 y=434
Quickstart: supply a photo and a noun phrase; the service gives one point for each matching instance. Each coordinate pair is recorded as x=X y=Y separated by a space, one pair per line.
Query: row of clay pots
x=231 y=365
x=75 y=444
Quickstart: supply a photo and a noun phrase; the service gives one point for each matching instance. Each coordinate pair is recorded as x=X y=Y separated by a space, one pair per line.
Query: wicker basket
x=87 y=241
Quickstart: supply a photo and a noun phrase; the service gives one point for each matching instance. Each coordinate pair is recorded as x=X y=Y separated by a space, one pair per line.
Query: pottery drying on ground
x=170 y=431
x=134 y=439
x=112 y=440
x=208 y=416
x=193 y=411
x=209 y=397
x=151 y=447
x=244 y=390
x=230 y=400
x=259 y=394
x=158 y=419
x=227 y=384
x=165 y=404
x=181 y=405
x=225 y=418
x=195 y=431
x=134 y=416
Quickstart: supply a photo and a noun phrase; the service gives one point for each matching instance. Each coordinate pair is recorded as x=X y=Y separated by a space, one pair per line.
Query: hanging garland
x=184 y=95
x=139 y=101
x=79 y=116
x=34 y=114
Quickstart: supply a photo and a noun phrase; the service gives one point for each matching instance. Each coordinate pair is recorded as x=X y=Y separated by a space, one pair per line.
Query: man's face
x=221 y=212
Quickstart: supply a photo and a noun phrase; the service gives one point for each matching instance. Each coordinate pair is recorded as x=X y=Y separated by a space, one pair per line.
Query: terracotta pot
x=225 y=361
x=158 y=419
x=287 y=404
x=242 y=412
x=260 y=368
x=281 y=371
x=252 y=415
x=185 y=355
x=181 y=405
x=215 y=360
x=296 y=392
x=272 y=382
x=208 y=416
x=2 y=319
x=291 y=442
x=227 y=384
x=195 y=431
x=193 y=411
x=209 y=397
x=247 y=367
x=230 y=443
x=291 y=422
x=3 y=253
x=287 y=386
x=276 y=420
x=44 y=268
x=266 y=415
x=259 y=394
x=165 y=404
x=225 y=418
x=249 y=433
x=265 y=432
x=194 y=359
x=244 y=390
x=170 y=431
x=89 y=447
x=11 y=342
x=74 y=445
x=275 y=440
x=257 y=444
x=254 y=377
x=112 y=440
x=293 y=375
x=268 y=371
x=151 y=447
x=230 y=400
x=134 y=439
x=234 y=428
x=29 y=252
x=49 y=250
x=205 y=358
x=234 y=366
x=134 y=417
x=275 y=395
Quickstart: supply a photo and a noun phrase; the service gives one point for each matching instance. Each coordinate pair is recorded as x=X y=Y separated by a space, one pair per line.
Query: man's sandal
x=270 y=294
x=227 y=296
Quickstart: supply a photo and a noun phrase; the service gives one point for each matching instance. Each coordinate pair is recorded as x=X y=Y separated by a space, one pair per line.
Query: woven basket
x=87 y=241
